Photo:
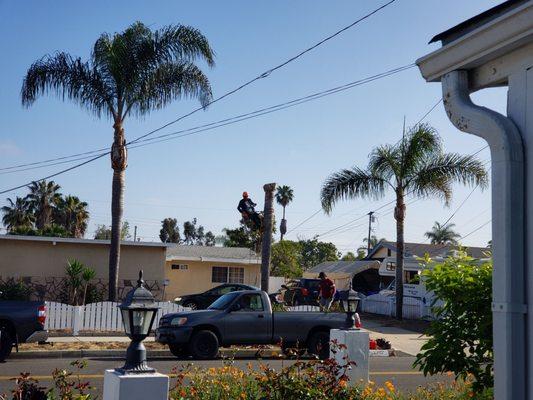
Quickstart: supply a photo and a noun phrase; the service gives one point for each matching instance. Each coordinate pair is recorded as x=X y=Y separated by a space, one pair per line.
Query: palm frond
x=67 y=77
x=169 y=82
x=385 y=161
x=422 y=142
x=349 y=184
x=437 y=174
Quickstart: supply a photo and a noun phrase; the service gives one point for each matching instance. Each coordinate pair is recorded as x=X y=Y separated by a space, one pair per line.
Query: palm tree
x=284 y=195
x=442 y=234
x=74 y=215
x=42 y=199
x=416 y=165
x=373 y=241
x=132 y=72
x=17 y=214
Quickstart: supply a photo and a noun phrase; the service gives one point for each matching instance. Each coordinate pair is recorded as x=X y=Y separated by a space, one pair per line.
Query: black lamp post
x=138 y=313
x=350 y=306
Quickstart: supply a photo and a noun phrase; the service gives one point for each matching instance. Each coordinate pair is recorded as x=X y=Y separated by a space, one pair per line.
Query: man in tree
x=326 y=291
x=247 y=209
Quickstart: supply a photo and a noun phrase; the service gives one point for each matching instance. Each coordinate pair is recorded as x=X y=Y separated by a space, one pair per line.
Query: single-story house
x=194 y=269
x=388 y=249
x=40 y=262
x=385 y=253
x=363 y=274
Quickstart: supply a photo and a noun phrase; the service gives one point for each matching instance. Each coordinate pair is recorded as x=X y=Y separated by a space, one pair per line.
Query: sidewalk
x=404 y=340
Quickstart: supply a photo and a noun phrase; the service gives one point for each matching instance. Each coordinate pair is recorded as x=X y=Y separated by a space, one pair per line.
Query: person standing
x=326 y=291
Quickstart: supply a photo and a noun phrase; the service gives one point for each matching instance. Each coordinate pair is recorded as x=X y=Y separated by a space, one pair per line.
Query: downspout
x=508 y=280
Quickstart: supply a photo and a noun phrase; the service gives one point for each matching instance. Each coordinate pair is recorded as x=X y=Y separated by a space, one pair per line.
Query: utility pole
x=135 y=233
x=370 y=220
x=266 y=244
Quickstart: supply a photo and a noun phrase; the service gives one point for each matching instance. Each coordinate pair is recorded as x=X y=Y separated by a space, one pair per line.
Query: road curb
x=225 y=353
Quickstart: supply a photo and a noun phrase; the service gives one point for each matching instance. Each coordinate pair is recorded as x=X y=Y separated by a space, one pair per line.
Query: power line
x=227 y=121
x=477 y=229
x=216 y=124
x=267 y=72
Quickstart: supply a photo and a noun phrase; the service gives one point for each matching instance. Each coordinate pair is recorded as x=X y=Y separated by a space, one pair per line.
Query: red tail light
x=305 y=292
x=358 y=324
x=41 y=315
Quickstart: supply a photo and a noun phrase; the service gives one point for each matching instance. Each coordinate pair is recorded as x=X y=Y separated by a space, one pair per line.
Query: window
x=236 y=275
x=227 y=275
x=180 y=266
x=390 y=266
x=251 y=302
x=389 y=252
x=219 y=274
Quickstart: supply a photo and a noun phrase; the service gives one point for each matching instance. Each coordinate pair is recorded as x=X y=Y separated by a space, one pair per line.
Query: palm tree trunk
x=282 y=230
x=266 y=245
x=399 y=215
x=119 y=164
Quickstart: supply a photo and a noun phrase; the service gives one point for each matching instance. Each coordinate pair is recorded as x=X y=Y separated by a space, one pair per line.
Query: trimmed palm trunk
x=119 y=159
x=266 y=245
x=399 y=215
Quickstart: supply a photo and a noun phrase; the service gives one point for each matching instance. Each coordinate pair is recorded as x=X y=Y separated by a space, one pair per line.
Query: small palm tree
x=87 y=275
x=43 y=198
x=73 y=215
x=73 y=272
x=373 y=241
x=284 y=195
x=442 y=234
x=17 y=214
x=132 y=72
x=416 y=165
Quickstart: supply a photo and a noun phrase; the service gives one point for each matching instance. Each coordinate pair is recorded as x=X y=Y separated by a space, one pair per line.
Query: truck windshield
x=223 y=302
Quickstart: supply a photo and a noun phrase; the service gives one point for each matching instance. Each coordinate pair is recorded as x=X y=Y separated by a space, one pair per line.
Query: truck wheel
x=204 y=345
x=318 y=344
x=6 y=343
x=178 y=351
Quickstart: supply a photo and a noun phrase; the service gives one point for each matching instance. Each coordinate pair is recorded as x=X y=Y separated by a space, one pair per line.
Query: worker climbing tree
x=247 y=209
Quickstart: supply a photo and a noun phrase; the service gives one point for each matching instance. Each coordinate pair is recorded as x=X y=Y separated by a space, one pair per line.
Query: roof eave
x=489 y=41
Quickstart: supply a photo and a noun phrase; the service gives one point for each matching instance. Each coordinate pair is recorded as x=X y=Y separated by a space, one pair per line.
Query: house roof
x=434 y=250
x=349 y=267
x=475 y=22
x=212 y=253
x=78 y=241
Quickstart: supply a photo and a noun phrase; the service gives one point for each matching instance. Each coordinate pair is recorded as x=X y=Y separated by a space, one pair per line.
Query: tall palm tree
x=74 y=215
x=416 y=165
x=132 y=72
x=17 y=214
x=43 y=198
x=442 y=234
x=284 y=195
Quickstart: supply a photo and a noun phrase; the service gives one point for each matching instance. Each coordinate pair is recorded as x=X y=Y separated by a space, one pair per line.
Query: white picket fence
x=413 y=308
x=96 y=317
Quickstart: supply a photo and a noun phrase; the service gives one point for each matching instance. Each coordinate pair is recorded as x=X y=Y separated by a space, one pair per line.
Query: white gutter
x=508 y=305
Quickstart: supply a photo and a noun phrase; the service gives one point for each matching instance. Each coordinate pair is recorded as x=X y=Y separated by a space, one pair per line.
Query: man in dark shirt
x=247 y=209
x=327 y=291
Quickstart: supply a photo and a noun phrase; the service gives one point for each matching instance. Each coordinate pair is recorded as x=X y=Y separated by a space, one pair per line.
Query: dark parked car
x=21 y=322
x=203 y=300
x=246 y=317
x=301 y=291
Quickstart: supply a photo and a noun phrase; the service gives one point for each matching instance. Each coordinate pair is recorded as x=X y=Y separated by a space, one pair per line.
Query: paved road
x=395 y=369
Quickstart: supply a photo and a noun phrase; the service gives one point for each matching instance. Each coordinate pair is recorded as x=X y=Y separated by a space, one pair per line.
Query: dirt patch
x=86 y=346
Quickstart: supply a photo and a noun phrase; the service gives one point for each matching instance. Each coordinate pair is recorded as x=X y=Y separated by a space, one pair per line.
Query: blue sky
x=203 y=175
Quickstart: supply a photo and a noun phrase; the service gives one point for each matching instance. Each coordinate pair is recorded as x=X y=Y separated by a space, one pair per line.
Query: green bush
x=461 y=335
x=13 y=289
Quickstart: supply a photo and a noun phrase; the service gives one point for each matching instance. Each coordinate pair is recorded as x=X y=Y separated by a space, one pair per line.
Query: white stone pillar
x=356 y=342
x=117 y=386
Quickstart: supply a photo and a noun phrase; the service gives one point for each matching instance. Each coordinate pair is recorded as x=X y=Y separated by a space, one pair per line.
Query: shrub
x=461 y=336
x=13 y=289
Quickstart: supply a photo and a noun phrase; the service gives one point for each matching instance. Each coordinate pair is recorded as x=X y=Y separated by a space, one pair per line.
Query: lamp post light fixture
x=350 y=304
x=138 y=313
